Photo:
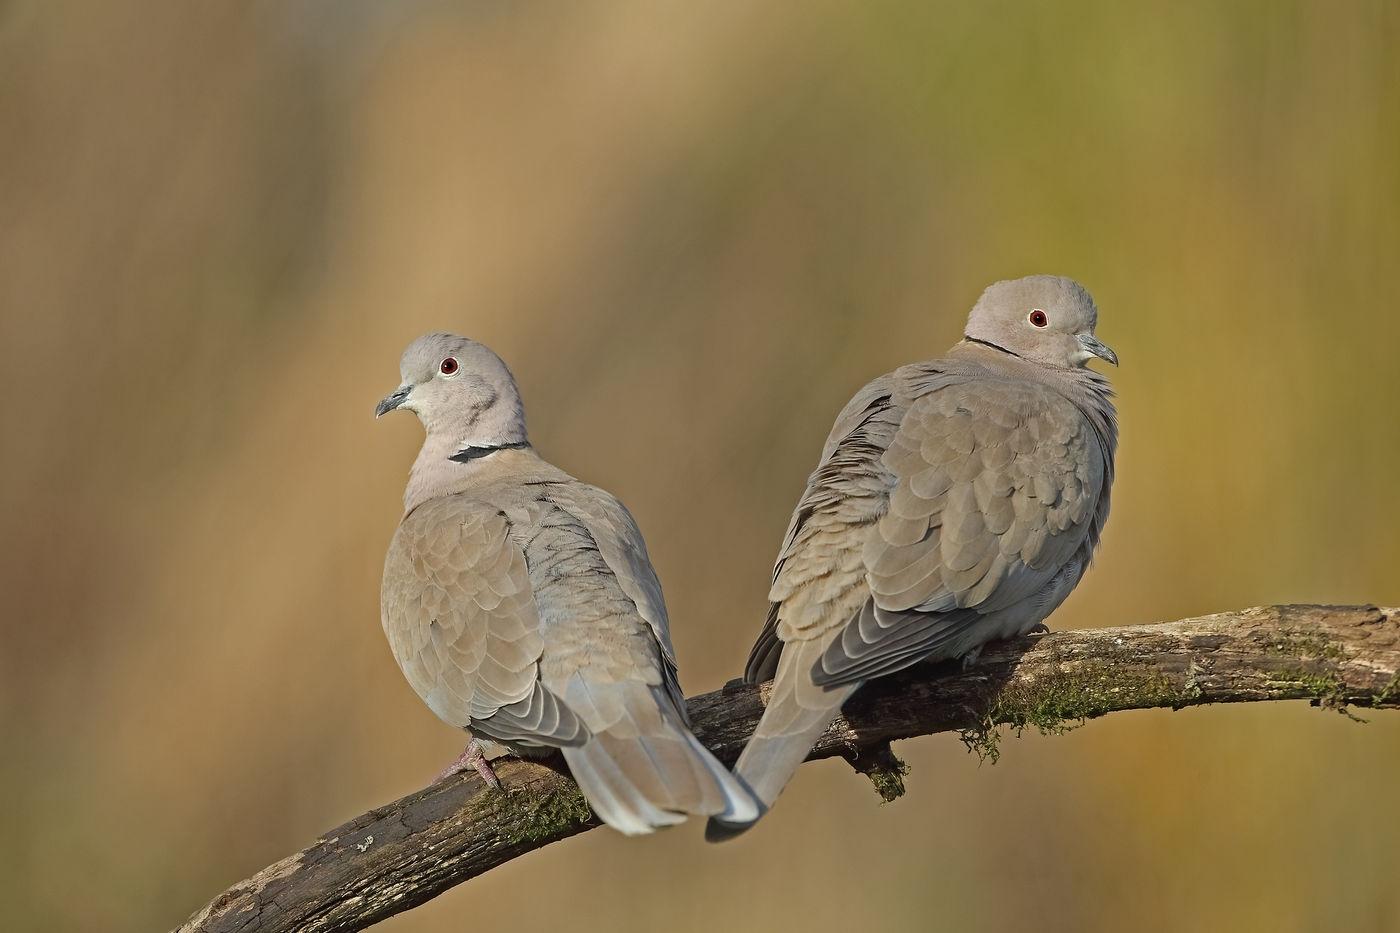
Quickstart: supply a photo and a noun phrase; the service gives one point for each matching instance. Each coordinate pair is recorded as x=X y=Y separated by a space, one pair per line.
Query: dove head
x=462 y=393
x=1047 y=319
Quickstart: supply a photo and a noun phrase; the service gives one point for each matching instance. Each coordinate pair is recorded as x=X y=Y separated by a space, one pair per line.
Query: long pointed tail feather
x=798 y=713
x=638 y=783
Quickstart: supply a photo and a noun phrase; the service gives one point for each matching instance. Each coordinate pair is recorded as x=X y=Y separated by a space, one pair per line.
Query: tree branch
x=411 y=850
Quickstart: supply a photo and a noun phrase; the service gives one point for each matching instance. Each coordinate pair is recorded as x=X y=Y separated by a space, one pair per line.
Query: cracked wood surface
x=406 y=852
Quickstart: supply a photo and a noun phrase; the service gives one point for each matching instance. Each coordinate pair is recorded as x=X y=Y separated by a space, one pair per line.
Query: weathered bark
x=408 y=851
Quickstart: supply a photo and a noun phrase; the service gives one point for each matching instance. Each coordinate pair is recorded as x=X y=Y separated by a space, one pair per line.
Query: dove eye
x=1037 y=318
x=449 y=366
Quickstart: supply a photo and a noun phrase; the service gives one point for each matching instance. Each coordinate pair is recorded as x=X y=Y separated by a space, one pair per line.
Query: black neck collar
x=468 y=454
x=988 y=343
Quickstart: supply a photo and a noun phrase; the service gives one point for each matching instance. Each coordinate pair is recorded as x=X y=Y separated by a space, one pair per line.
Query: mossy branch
x=411 y=850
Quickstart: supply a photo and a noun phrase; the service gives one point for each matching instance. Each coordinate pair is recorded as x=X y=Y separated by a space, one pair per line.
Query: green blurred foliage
x=693 y=231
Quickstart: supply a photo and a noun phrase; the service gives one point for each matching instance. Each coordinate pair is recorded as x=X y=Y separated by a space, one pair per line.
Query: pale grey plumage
x=957 y=501
x=521 y=605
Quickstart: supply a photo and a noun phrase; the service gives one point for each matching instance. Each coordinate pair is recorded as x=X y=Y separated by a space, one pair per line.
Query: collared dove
x=957 y=501
x=521 y=605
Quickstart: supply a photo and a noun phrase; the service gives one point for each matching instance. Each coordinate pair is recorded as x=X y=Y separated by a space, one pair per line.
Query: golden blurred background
x=693 y=230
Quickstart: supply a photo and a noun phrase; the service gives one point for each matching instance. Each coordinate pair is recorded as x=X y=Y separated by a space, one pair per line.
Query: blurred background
x=693 y=230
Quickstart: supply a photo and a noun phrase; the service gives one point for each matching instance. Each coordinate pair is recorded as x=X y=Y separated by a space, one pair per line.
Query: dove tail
x=636 y=783
x=798 y=713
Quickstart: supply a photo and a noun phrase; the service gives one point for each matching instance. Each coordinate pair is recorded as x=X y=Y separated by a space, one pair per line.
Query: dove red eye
x=1038 y=318
x=449 y=366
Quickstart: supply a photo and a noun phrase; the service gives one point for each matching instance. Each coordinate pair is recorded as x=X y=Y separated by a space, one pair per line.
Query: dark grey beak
x=1097 y=347
x=394 y=401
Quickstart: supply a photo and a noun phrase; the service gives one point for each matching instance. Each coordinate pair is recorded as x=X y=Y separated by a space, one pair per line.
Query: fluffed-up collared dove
x=957 y=501
x=521 y=605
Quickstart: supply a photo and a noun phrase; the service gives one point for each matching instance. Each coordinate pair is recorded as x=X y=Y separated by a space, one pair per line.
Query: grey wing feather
x=539 y=721
x=846 y=490
x=461 y=620
x=623 y=549
x=817 y=585
x=605 y=657
x=996 y=489
x=877 y=643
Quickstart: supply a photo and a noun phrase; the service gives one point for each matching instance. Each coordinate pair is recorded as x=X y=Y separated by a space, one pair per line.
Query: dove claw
x=471 y=759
